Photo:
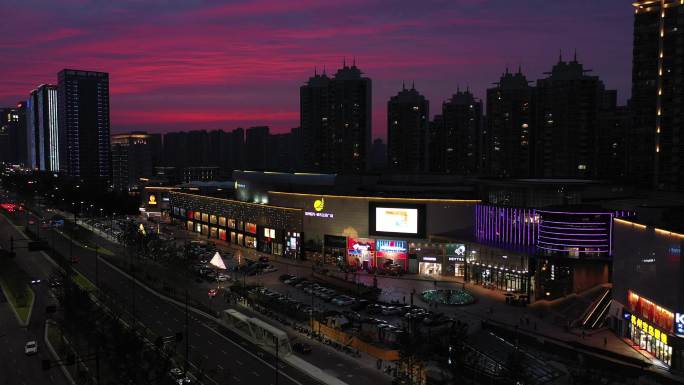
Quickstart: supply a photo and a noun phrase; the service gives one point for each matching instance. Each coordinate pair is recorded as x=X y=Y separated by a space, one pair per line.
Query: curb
x=55 y=355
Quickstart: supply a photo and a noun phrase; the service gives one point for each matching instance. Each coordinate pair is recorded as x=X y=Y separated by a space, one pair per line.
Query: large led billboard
x=397 y=219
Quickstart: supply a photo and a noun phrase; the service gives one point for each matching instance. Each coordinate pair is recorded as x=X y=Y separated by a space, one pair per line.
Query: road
x=16 y=368
x=224 y=356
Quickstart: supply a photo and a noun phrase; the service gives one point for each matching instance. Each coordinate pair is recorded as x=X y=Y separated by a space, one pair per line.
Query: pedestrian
x=404 y=300
x=605 y=341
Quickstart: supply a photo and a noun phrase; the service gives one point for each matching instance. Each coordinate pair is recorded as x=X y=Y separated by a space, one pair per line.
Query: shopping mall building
x=418 y=225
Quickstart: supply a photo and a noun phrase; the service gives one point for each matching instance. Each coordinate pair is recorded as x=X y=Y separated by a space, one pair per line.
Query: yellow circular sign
x=319 y=204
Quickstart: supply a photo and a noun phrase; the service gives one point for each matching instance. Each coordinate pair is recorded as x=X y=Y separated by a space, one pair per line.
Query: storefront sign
x=391 y=246
x=679 y=324
x=360 y=246
x=319 y=206
x=456 y=259
x=152 y=200
x=455 y=249
x=651 y=312
x=429 y=259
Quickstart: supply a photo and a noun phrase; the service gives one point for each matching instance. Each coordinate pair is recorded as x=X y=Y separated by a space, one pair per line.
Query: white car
x=222 y=278
x=31 y=347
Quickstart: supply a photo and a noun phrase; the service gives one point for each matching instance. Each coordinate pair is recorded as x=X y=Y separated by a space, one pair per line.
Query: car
x=374 y=309
x=283 y=278
x=35 y=281
x=302 y=348
x=270 y=269
x=75 y=259
x=360 y=304
x=31 y=348
x=392 y=310
x=222 y=278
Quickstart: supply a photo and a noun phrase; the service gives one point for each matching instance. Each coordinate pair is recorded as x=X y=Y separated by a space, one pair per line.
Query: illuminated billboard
x=397 y=220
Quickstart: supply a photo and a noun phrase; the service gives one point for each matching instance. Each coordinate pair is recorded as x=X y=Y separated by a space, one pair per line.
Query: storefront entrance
x=429 y=268
x=647 y=340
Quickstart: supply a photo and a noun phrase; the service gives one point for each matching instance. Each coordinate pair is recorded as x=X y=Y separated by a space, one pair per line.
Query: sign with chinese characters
x=319 y=206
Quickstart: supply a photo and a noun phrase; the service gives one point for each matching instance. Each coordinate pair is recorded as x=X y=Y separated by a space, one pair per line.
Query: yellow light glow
x=624 y=222
x=669 y=233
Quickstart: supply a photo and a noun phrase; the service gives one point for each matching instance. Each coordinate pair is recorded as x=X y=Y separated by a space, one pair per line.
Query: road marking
x=239 y=362
x=223 y=351
x=219 y=366
x=169 y=329
x=236 y=379
x=256 y=374
x=209 y=342
x=197 y=334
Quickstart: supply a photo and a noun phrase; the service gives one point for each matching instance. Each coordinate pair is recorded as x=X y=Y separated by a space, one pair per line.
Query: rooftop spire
x=403 y=85
x=575 y=56
x=560 y=55
x=413 y=85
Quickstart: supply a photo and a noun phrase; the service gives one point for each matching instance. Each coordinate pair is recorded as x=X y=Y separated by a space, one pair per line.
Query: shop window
x=238 y=226
x=222 y=221
x=212 y=219
x=191 y=214
x=222 y=234
x=250 y=228
x=205 y=218
x=213 y=232
x=205 y=230
x=190 y=226
x=250 y=242
x=181 y=212
x=198 y=227
x=198 y=215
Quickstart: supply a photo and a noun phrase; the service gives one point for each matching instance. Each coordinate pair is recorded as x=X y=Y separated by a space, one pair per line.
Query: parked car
x=360 y=304
x=222 y=278
x=302 y=348
x=270 y=269
x=30 y=348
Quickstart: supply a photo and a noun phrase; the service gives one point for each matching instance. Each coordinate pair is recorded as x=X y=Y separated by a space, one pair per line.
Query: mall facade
x=648 y=295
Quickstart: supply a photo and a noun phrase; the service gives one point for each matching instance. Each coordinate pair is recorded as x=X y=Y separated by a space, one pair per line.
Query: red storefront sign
x=649 y=311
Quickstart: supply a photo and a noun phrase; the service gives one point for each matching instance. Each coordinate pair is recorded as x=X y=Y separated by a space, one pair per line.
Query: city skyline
x=208 y=67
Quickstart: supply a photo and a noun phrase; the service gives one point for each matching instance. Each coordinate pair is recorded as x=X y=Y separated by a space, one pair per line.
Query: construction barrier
x=346 y=339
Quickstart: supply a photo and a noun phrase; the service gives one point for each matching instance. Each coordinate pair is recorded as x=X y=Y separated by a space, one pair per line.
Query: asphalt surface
x=225 y=357
x=16 y=368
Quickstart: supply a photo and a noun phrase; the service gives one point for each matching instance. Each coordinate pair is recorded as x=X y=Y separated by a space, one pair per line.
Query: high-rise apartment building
x=257 y=143
x=42 y=129
x=407 y=131
x=566 y=117
x=131 y=159
x=13 y=134
x=84 y=141
x=656 y=146
x=456 y=141
x=507 y=146
x=335 y=117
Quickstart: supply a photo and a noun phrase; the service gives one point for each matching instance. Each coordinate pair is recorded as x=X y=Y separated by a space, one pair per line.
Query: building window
x=212 y=219
x=222 y=222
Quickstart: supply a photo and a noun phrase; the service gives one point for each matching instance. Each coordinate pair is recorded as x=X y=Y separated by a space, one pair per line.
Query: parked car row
x=325 y=293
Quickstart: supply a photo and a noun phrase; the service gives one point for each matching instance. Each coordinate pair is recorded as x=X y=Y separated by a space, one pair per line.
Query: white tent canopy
x=217 y=261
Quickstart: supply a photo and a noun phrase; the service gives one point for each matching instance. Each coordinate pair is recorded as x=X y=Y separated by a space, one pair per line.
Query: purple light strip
x=610 y=236
x=578 y=234
x=572 y=223
x=573 y=228
x=573 y=239
x=566 y=250
x=573 y=213
x=570 y=245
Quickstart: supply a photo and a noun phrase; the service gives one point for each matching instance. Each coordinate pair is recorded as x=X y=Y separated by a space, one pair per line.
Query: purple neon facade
x=567 y=233
x=575 y=234
x=508 y=227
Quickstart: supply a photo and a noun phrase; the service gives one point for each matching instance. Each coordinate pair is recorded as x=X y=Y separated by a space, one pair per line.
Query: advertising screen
x=397 y=220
